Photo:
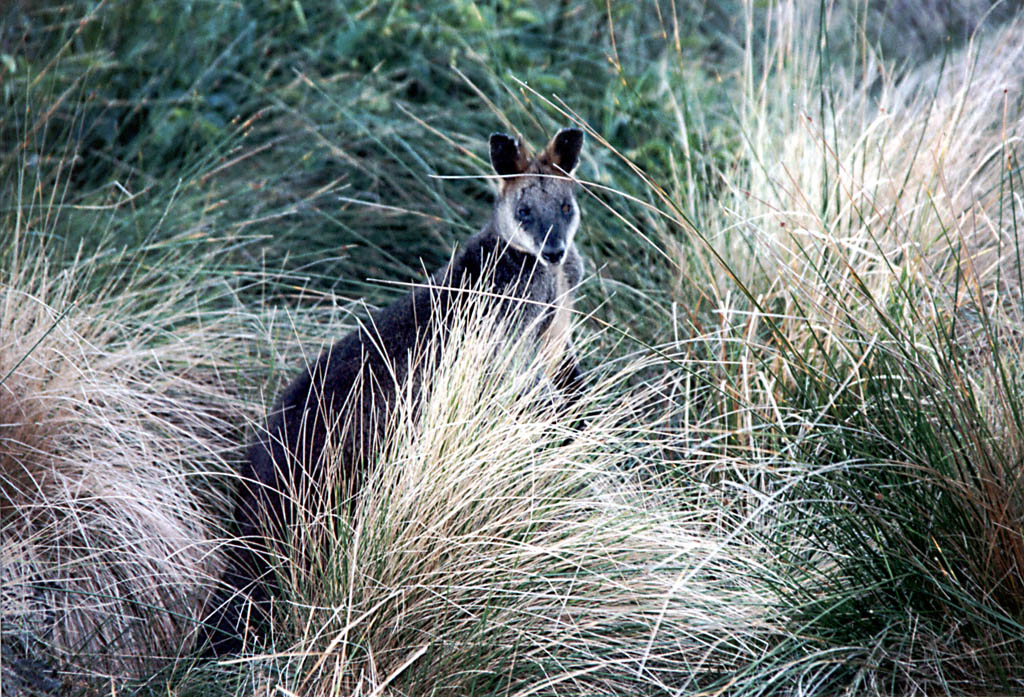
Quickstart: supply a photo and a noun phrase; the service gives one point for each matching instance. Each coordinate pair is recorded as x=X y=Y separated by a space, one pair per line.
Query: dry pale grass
x=878 y=210
x=875 y=225
x=495 y=548
x=109 y=426
x=894 y=194
x=884 y=205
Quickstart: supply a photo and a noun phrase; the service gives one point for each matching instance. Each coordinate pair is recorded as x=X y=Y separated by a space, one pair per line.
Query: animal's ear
x=508 y=156
x=564 y=149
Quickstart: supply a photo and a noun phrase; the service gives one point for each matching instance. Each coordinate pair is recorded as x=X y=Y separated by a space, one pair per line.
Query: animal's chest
x=555 y=337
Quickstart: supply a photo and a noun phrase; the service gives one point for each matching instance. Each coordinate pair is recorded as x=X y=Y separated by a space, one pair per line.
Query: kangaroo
x=524 y=253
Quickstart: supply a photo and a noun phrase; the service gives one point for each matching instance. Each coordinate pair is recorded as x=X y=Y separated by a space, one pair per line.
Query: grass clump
x=874 y=234
x=494 y=549
x=118 y=427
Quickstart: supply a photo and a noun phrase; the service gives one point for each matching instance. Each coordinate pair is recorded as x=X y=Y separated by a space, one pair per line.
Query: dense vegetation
x=803 y=469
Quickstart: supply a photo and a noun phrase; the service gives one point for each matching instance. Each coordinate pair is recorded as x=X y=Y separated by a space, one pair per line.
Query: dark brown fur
x=346 y=396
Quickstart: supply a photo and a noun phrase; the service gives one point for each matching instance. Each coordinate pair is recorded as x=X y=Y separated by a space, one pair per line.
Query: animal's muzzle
x=553 y=254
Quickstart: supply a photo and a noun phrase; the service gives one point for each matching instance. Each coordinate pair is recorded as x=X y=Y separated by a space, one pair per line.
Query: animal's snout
x=553 y=254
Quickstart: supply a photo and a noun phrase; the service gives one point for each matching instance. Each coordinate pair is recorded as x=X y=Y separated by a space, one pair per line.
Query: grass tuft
x=116 y=436
x=493 y=548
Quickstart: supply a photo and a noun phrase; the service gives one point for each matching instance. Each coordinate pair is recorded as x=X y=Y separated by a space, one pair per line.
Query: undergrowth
x=802 y=317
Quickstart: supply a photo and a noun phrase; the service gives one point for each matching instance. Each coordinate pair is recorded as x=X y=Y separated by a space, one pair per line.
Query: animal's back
x=358 y=376
x=337 y=408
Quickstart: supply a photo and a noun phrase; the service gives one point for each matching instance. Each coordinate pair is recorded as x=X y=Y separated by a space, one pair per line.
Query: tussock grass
x=495 y=549
x=892 y=188
x=876 y=336
x=116 y=433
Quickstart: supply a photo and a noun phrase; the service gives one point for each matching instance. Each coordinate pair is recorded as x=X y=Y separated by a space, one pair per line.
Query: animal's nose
x=553 y=254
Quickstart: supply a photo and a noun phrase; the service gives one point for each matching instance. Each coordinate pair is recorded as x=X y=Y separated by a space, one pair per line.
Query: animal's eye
x=566 y=208
x=523 y=213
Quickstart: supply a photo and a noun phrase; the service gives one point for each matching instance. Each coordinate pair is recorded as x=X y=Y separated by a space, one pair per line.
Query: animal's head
x=536 y=210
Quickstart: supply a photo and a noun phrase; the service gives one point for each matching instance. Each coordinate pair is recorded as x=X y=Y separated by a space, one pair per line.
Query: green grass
x=802 y=318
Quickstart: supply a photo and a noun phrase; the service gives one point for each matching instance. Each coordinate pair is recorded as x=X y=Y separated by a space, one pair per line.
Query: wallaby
x=526 y=257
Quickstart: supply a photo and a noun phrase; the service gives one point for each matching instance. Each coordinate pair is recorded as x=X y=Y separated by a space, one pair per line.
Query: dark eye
x=566 y=208
x=523 y=213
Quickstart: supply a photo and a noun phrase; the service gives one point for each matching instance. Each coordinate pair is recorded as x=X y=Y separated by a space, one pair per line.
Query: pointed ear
x=564 y=149
x=507 y=155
